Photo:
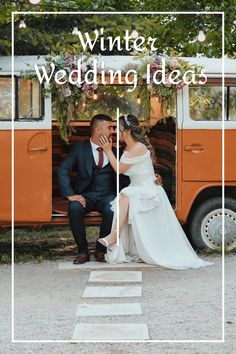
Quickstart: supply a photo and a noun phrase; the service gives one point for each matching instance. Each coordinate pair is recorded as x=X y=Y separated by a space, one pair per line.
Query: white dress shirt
x=96 y=154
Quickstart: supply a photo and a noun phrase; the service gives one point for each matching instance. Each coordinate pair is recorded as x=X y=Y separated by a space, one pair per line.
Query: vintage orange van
x=188 y=146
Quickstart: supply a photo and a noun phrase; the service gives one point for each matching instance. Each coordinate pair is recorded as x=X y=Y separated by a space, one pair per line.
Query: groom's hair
x=98 y=118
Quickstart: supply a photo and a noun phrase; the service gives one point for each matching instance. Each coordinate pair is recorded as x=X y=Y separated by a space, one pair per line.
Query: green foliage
x=50 y=32
x=165 y=91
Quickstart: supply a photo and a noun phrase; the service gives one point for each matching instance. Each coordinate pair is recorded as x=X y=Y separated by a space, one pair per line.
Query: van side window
x=5 y=98
x=232 y=103
x=29 y=103
x=205 y=102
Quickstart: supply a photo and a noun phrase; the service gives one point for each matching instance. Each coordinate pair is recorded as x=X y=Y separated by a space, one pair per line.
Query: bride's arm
x=113 y=161
x=107 y=147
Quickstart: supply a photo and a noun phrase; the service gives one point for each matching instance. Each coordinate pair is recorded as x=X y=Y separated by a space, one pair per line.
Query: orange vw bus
x=188 y=145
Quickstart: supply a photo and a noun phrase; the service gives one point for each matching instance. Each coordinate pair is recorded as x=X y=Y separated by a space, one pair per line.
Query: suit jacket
x=81 y=160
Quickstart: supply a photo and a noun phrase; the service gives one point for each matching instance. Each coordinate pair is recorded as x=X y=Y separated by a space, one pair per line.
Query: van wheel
x=206 y=224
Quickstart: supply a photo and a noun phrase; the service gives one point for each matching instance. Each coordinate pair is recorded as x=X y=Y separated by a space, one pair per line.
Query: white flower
x=174 y=63
x=60 y=74
x=66 y=91
x=83 y=67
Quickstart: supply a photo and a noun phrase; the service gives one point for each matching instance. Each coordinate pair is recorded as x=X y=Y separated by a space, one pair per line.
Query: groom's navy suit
x=96 y=185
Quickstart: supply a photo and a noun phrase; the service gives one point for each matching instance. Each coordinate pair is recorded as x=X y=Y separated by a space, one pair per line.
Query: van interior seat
x=163 y=138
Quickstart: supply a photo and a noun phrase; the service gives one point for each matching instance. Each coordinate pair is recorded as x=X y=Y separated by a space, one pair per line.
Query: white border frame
x=222 y=340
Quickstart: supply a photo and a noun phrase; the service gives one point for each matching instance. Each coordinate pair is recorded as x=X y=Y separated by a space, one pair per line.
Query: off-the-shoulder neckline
x=148 y=151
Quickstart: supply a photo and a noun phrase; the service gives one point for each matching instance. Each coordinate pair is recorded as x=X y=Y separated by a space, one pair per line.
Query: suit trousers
x=95 y=201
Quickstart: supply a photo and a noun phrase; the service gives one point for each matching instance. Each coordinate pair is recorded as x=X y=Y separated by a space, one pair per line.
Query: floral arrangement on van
x=161 y=70
x=69 y=99
x=73 y=80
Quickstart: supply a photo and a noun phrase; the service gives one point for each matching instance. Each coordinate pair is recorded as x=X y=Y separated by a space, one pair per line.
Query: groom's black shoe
x=99 y=256
x=81 y=258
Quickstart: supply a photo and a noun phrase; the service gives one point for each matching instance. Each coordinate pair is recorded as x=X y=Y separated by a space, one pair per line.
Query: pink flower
x=180 y=85
x=85 y=87
x=74 y=73
x=68 y=61
x=167 y=82
x=154 y=67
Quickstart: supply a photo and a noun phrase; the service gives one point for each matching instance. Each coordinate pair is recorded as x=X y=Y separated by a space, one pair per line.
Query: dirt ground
x=177 y=305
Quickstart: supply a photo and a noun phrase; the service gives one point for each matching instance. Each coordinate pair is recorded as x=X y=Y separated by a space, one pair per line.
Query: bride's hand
x=158 y=181
x=105 y=143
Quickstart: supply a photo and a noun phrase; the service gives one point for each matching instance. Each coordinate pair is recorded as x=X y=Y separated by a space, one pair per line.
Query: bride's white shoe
x=106 y=242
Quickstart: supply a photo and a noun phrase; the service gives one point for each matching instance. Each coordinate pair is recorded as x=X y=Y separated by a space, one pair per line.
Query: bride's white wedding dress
x=152 y=231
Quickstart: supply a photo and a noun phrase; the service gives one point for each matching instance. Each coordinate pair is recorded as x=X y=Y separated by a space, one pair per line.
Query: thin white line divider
x=118 y=12
x=117 y=341
x=223 y=176
x=117 y=175
x=222 y=340
x=12 y=179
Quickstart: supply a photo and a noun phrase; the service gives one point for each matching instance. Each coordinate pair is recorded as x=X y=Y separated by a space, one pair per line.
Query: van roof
x=212 y=66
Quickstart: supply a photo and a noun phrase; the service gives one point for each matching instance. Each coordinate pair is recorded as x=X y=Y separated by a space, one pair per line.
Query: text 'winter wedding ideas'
x=98 y=73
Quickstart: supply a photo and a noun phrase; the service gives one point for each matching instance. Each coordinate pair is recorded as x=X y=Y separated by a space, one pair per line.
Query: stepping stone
x=112 y=291
x=109 y=309
x=115 y=276
x=104 y=265
x=116 y=331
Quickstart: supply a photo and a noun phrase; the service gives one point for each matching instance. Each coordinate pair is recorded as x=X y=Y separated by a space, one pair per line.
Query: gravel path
x=177 y=305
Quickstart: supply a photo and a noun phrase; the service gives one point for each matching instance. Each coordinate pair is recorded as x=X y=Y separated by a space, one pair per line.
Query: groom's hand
x=77 y=198
x=158 y=180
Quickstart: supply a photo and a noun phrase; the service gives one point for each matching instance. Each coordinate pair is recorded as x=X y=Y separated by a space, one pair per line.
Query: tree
x=46 y=33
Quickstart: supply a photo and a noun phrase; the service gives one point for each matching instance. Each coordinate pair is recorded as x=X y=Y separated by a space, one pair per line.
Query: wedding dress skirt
x=152 y=231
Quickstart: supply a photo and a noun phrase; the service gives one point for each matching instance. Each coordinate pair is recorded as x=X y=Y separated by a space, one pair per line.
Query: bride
x=148 y=227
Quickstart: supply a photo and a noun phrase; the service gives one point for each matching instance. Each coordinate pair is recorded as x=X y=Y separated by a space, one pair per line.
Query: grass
x=50 y=243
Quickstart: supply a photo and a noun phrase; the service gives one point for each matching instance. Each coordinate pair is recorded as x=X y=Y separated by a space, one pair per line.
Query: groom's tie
x=100 y=157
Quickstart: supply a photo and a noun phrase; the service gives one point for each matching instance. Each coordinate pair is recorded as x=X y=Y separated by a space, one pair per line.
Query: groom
x=95 y=186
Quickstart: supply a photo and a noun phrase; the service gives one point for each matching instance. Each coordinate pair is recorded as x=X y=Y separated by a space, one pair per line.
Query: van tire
x=207 y=217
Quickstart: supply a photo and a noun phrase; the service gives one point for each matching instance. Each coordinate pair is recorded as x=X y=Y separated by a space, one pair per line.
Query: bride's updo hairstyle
x=131 y=123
